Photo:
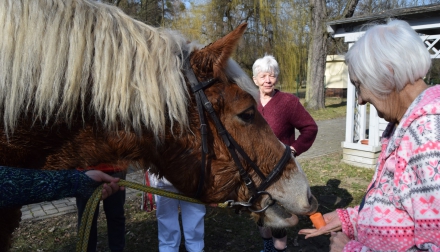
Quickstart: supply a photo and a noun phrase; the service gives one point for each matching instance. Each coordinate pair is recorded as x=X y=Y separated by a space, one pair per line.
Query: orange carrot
x=317 y=220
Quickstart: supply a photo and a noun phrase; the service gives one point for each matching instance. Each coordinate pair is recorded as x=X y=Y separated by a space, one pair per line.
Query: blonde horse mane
x=62 y=58
x=56 y=54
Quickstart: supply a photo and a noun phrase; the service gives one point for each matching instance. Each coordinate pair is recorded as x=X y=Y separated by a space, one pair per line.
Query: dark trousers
x=114 y=213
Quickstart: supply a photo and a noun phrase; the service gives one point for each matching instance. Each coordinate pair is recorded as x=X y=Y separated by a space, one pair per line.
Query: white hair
x=388 y=57
x=266 y=64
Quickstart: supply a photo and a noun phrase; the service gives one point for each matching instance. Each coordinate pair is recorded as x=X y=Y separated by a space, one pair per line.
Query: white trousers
x=167 y=213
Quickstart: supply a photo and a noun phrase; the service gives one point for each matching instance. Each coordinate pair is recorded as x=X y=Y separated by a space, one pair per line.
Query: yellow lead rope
x=92 y=204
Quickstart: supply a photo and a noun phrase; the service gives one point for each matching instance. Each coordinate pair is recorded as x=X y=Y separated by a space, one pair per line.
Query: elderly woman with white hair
x=401 y=208
x=284 y=113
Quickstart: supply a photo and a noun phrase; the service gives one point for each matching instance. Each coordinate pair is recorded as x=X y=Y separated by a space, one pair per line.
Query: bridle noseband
x=204 y=104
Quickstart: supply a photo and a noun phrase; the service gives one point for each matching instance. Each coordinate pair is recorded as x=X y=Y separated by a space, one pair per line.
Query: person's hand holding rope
x=110 y=184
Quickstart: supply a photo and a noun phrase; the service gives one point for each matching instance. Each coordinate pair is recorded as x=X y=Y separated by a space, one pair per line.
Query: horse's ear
x=216 y=54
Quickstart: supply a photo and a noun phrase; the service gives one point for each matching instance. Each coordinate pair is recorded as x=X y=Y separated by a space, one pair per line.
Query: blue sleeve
x=26 y=186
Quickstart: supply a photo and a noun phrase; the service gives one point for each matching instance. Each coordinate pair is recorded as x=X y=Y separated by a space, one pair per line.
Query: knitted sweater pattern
x=402 y=209
x=284 y=113
x=20 y=186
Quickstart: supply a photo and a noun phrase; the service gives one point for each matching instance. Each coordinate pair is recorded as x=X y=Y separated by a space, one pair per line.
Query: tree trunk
x=315 y=91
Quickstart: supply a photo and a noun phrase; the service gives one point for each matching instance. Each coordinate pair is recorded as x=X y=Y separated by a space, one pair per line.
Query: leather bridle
x=203 y=104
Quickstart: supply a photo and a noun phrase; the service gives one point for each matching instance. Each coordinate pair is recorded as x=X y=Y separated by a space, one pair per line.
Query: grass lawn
x=335 y=107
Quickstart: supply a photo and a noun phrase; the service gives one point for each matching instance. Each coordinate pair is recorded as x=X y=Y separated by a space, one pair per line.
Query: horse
x=82 y=83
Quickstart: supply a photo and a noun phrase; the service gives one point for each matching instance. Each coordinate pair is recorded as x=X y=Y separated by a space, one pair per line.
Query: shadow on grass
x=330 y=197
x=337 y=105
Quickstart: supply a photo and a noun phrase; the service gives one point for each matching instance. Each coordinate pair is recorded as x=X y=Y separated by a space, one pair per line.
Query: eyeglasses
x=357 y=89
x=356 y=85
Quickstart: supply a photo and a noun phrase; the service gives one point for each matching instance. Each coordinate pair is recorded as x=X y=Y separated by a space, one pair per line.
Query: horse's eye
x=247 y=116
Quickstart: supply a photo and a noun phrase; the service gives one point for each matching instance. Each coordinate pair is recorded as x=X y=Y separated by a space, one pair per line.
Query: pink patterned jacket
x=402 y=207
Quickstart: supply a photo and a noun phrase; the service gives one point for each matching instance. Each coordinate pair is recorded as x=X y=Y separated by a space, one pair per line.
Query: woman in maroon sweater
x=284 y=113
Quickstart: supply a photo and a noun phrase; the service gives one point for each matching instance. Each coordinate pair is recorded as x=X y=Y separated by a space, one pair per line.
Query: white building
x=336 y=74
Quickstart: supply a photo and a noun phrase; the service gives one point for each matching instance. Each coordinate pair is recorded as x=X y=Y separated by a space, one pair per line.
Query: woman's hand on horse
x=333 y=223
x=293 y=151
x=110 y=183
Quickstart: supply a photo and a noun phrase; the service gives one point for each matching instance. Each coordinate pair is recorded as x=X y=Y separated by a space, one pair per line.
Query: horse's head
x=279 y=195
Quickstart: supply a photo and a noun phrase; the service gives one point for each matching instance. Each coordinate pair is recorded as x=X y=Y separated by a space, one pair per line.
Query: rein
x=92 y=204
x=203 y=104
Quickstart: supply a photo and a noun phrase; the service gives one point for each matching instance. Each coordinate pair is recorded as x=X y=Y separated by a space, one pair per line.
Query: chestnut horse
x=81 y=83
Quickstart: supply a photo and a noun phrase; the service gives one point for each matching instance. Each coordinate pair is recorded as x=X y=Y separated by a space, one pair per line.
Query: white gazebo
x=363 y=122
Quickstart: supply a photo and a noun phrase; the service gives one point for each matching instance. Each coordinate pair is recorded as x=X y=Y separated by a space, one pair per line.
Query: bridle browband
x=204 y=104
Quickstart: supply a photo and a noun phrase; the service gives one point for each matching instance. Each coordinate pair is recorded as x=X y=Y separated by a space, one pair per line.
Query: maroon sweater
x=284 y=113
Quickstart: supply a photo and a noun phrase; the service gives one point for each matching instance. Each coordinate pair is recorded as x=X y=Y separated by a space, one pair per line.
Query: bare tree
x=315 y=91
x=315 y=98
